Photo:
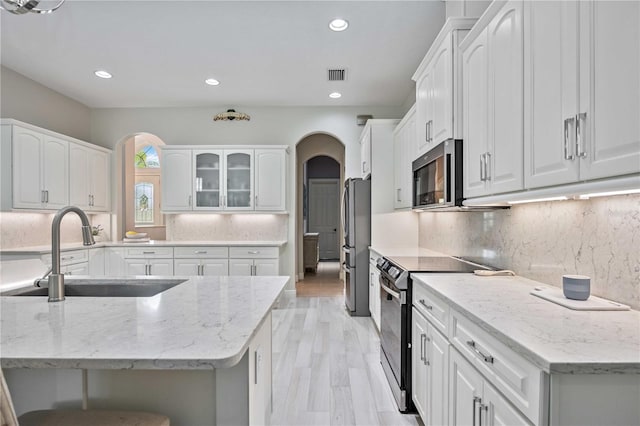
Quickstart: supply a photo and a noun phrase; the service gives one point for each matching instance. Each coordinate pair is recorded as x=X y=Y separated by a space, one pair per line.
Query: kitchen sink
x=104 y=288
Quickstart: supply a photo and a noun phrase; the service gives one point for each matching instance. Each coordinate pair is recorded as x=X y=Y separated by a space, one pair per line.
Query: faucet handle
x=38 y=281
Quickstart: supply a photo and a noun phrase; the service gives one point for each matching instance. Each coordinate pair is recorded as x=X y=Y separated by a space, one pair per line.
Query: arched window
x=147 y=158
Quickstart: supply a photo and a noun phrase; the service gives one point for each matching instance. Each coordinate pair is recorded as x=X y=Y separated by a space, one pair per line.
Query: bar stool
x=73 y=417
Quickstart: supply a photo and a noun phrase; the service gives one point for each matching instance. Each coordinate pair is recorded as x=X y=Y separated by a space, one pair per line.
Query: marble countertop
x=203 y=323
x=555 y=338
x=155 y=243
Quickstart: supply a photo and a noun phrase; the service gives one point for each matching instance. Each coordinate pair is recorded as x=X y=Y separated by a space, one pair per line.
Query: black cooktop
x=435 y=264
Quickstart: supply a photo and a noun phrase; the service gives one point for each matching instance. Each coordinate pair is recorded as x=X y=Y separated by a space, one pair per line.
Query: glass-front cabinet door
x=208 y=191
x=239 y=179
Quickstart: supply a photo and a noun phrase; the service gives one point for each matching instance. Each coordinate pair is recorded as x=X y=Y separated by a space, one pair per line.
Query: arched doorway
x=138 y=166
x=322 y=150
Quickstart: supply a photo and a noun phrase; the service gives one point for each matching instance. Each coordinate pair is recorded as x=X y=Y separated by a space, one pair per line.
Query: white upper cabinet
x=438 y=94
x=176 y=179
x=238 y=178
x=582 y=91
x=208 y=171
x=44 y=170
x=476 y=116
x=608 y=137
x=223 y=178
x=89 y=183
x=40 y=170
x=404 y=152
x=504 y=168
x=365 y=152
x=493 y=104
x=271 y=171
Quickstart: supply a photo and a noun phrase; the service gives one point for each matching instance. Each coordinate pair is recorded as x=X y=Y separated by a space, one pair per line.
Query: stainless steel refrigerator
x=356 y=226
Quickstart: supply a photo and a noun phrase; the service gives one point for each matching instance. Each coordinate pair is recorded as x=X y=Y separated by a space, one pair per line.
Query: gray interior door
x=324 y=215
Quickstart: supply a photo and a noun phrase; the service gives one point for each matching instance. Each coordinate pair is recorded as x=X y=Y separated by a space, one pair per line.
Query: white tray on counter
x=593 y=303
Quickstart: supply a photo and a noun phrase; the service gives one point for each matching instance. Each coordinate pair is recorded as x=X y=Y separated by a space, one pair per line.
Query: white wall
x=268 y=125
x=26 y=100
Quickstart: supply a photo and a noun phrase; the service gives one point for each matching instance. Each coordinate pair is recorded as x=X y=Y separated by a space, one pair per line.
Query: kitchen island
x=199 y=352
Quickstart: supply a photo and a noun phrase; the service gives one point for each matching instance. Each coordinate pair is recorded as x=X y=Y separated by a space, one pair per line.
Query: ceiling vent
x=337 y=74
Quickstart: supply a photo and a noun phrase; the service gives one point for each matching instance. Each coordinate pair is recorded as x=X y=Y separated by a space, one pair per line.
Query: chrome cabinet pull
x=190 y=200
x=46 y=195
x=200 y=252
x=398 y=191
x=371 y=279
x=482 y=178
x=254 y=252
x=42 y=196
x=487 y=166
x=568 y=155
x=423 y=303
x=256 y=201
x=481 y=407
x=486 y=358
x=580 y=151
x=148 y=252
x=475 y=401
x=421 y=347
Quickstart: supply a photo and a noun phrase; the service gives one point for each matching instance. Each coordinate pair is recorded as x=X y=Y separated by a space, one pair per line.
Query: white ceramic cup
x=576 y=287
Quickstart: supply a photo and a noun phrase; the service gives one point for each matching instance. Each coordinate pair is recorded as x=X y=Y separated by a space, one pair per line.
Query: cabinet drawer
x=431 y=306
x=253 y=252
x=518 y=379
x=147 y=252
x=201 y=252
x=68 y=257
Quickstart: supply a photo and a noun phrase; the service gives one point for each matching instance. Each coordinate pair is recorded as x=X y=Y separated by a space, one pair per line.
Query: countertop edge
x=41 y=250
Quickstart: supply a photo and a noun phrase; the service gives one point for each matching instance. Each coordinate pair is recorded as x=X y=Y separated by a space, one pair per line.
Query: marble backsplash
x=227 y=227
x=542 y=241
x=34 y=229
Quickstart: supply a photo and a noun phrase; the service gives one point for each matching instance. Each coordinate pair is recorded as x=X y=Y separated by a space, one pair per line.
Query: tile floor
x=326 y=364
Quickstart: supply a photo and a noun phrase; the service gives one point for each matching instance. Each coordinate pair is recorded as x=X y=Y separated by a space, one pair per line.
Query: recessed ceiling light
x=338 y=24
x=335 y=95
x=103 y=74
x=212 y=82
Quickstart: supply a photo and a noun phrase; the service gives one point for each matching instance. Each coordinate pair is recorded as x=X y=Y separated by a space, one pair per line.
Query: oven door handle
x=395 y=294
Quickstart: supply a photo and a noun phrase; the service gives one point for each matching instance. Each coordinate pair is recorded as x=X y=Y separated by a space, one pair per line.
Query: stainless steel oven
x=395 y=312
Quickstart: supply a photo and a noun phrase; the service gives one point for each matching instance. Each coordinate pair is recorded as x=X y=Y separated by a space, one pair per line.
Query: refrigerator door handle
x=345 y=268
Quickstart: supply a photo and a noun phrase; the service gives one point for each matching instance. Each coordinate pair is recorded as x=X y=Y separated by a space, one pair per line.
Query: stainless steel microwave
x=437 y=177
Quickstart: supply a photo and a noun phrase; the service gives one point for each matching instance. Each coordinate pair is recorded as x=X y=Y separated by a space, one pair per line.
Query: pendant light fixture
x=20 y=7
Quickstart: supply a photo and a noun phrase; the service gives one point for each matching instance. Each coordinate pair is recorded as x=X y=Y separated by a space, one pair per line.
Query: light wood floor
x=324 y=282
x=326 y=366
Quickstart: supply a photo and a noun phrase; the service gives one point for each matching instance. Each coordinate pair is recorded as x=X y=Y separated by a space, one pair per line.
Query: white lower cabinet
x=148 y=261
x=201 y=267
x=254 y=267
x=474 y=401
x=374 y=291
x=260 y=378
x=430 y=366
x=77 y=269
x=148 y=266
x=258 y=261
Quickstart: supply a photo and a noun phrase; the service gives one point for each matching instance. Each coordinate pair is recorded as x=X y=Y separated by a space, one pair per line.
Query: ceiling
x=264 y=53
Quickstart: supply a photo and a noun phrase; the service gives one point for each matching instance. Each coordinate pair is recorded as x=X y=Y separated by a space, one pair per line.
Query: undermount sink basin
x=104 y=288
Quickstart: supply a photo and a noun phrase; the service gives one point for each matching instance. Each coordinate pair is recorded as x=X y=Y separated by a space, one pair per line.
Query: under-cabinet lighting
x=609 y=193
x=338 y=24
x=538 y=200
